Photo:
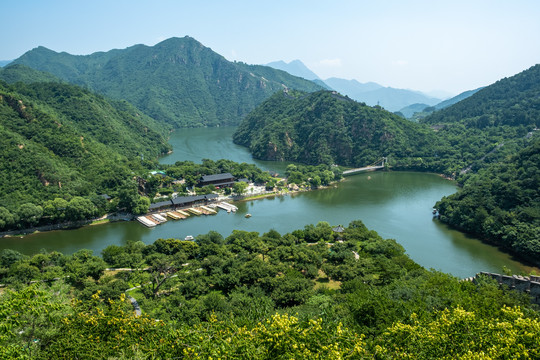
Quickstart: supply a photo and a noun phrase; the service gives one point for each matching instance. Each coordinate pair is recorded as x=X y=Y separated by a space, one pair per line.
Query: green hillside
x=513 y=101
x=177 y=82
x=22 y=73
x=325 y=127
x=502 y=203
x=309 y=294
x=488 y=142
x=58 y=140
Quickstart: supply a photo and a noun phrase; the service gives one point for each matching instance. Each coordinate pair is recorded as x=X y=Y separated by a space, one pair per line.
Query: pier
x=151 y=220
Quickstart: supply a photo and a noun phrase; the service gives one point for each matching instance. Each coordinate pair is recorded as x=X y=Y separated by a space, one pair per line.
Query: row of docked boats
x=152 y=220
x=227 y=207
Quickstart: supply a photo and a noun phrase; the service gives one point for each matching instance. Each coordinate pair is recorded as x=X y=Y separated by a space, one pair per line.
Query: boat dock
x=227 y=207
x=194 y=211
x=155 y=219
x=146 y=222
x=208 y=210
x=175 y=215
x=183 y=213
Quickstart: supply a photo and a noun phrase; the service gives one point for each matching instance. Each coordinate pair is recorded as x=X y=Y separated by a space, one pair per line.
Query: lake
x=397 y=205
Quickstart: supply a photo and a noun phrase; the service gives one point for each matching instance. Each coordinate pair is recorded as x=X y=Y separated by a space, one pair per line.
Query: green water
x=396 y=204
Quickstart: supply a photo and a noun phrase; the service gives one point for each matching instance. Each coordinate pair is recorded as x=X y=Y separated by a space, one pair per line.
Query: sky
x=449 y=46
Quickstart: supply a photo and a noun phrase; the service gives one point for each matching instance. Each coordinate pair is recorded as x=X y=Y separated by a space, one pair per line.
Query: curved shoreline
x=66 y=225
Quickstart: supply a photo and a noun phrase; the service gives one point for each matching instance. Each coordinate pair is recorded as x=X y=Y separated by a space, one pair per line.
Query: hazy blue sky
x=423 y=45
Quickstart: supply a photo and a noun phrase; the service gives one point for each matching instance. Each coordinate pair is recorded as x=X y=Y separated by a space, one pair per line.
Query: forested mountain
x=420 y=111
x=322 y=84
x=374 y=94
x=512 y=101
x=325 y=127
x=409 y=111
x=446 y=103
x=178 y=82
x=296 y=68
x=313 y=293
x=502 y=203
x=478 y=134
x=59 y=140
x=21 y=73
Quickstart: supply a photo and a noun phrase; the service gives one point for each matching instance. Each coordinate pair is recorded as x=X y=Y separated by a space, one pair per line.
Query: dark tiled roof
x=217 y=177
x=160 y=204
x=223 y=183
x=180 y=200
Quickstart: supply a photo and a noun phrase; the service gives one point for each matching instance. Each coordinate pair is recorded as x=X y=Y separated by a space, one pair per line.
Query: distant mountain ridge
x=296 y=68
x=513 y=101
x=374 y=94
x=178 y=81
x=352 y=88
x=457 y=98
x=409 y=111
x=370 y=93
x=419 y=111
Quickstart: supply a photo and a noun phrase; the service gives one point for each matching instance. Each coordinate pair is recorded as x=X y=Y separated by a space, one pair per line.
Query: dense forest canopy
x=60 y=141
x=513 y=101
x=325 y=127
x=502 y=203
x=178 y=82
x=478 y=134
x=22 y=73
x=312 y=293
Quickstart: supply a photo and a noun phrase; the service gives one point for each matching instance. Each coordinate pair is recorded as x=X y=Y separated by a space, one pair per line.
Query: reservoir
x=397 y=205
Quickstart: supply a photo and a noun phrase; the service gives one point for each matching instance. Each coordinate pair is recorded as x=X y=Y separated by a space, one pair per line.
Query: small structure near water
x=528 y=284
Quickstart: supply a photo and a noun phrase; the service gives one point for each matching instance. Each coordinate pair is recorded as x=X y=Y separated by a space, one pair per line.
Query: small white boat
x=189 y=237
x=248 y=215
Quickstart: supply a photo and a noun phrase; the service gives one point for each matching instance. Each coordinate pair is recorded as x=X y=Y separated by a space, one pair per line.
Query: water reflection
x=395 y=204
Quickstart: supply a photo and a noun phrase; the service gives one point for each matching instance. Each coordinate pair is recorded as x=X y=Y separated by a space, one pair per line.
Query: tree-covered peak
x=512 y=101
x=327 y=127
x=178 y=81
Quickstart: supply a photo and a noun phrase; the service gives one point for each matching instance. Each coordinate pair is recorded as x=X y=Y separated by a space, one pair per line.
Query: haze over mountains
x=370 y=93
x=419 y=111
x=296 y=68
x=178 y=81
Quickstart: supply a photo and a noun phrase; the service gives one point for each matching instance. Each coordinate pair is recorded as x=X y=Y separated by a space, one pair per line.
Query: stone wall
x=529 y=284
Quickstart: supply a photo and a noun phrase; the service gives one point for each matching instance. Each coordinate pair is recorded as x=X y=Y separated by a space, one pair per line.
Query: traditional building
x=218 y=180
x=185 y=201
x=160 y=205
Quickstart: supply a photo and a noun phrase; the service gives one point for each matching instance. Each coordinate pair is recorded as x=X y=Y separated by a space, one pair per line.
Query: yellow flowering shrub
x=279 y=337
x=460 y=334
